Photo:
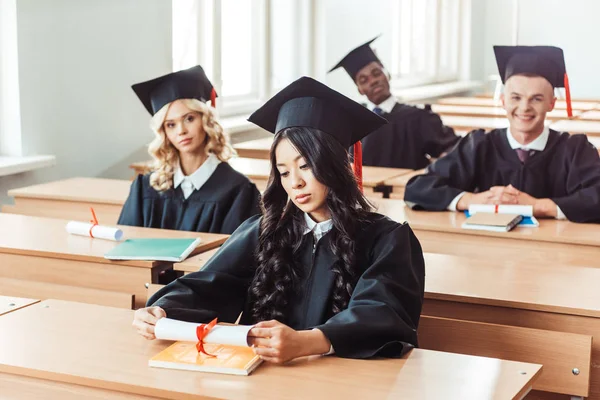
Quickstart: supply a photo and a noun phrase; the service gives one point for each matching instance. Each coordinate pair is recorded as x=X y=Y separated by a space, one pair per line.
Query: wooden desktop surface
x=108 y=355
x=11 y=303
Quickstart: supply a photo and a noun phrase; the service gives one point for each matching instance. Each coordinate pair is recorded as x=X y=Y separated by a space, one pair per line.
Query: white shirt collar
x=198 y=177
x=318 y=229
x=387 y=105
x=538 y=144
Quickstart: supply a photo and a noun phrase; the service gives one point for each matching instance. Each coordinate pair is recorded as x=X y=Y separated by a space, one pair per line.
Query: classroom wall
x=571 y=25
x=77 y=60
x=342 y=17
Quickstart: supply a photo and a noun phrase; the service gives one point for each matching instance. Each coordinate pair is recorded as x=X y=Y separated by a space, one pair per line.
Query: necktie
x=524 y=154
x=378 y=111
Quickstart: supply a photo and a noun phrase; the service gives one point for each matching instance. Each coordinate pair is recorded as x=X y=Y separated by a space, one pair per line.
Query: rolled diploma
x=232 y=335
x=526 y=211
x=98 y=231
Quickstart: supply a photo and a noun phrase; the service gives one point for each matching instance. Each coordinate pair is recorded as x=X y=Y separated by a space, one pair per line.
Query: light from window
x=238 y=48
x=285 y=30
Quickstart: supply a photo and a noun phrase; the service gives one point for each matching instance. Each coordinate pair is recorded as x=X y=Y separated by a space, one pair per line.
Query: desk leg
x=384 y=190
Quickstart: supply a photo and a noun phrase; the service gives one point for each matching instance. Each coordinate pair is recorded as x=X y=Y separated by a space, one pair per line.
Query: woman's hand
x=278 y=343
x=144 y=320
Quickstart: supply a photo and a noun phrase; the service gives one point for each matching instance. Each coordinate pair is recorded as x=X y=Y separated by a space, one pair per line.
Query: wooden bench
x=566 y=357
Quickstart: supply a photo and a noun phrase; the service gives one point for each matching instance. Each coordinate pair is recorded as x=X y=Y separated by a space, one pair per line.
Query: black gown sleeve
x=447 y=177
x=437 y=137
x=219 y=290
x=383 y=313
x=582 y=203
x=132 y=212
x=245 y=204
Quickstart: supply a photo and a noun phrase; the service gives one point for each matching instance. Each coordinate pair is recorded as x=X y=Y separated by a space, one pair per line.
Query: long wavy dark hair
x=282 y=225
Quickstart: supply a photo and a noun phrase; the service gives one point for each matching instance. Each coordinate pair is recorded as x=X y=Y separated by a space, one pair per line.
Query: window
x=248 y=48
x=428 y=41
x=10 y=120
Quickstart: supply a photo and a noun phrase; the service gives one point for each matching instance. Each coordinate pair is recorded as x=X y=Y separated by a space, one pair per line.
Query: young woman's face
x=305 y=191
x=184 y=128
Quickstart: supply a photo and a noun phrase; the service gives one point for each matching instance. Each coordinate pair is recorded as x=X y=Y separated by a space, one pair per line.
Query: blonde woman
x=192 y=187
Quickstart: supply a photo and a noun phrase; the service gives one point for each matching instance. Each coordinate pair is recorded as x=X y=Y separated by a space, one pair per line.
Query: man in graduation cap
x=413 y=135
x=528 y=163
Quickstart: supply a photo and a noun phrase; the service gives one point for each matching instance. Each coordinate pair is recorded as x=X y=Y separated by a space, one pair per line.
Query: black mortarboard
x=190 y=83
x=545 y=61
x=357 y=59
x=309 y=103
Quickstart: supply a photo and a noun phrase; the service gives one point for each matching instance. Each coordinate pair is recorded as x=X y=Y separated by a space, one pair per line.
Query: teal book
x=175 y=250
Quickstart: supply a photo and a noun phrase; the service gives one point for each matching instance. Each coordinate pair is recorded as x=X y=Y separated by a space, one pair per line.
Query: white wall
x=77 y=61
x=349 y=23
x=572 y=25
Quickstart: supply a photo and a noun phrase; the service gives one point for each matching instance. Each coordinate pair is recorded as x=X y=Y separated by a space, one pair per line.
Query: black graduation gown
x=383 y=313
x=567 y=172
x=226 y=200
x=411 y=135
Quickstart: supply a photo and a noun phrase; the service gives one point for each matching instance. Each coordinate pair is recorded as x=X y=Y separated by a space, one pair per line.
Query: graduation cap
x=309 y=103
x=190 y=83
x=357 y=59
x=545 y=61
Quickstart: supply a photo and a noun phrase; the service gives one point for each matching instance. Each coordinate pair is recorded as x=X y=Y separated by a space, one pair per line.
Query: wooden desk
x=40 y=250
x=10 y=303
x=399 y=183
x=562 y=242
x=593 y=115
x=259 y=148
x=72 y=199
x=104 y=361
x=590 y=128
x=489 y=102
x=195 y=263
x=490 y=111
x=554 y=298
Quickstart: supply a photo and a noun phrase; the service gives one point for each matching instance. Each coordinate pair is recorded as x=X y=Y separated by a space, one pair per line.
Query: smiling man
x=527 y=163
x=413 y=135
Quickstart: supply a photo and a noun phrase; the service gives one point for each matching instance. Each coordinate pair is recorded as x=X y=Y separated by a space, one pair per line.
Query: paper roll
x=98 y=231
x=525 y=211
x=170 y=329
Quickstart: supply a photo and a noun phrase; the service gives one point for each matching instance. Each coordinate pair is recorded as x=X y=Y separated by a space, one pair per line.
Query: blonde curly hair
x=166 y=156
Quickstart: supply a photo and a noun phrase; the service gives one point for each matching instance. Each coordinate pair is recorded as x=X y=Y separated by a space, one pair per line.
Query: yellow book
x=234 y=360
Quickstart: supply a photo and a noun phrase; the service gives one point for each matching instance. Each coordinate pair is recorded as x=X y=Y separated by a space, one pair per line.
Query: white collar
x=538 y=144
x=198 y=177
x=387 y=105
x=318 y=228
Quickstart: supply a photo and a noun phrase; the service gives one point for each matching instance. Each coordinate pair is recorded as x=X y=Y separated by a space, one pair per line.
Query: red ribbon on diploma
x=496 y=209
x=94 y=221
x=201 y=332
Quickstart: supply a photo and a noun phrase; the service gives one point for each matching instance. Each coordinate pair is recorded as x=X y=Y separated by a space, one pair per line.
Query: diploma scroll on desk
x=232 y=335
x=526 y=211
x=94 y=231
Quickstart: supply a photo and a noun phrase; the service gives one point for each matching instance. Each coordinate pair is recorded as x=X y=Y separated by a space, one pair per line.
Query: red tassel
x=568 y=95
x=358 y=164
x=213 y=98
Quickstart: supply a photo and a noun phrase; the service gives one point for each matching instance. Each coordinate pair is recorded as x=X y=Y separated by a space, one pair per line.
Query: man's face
x=526 y=100
x=372 y=81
